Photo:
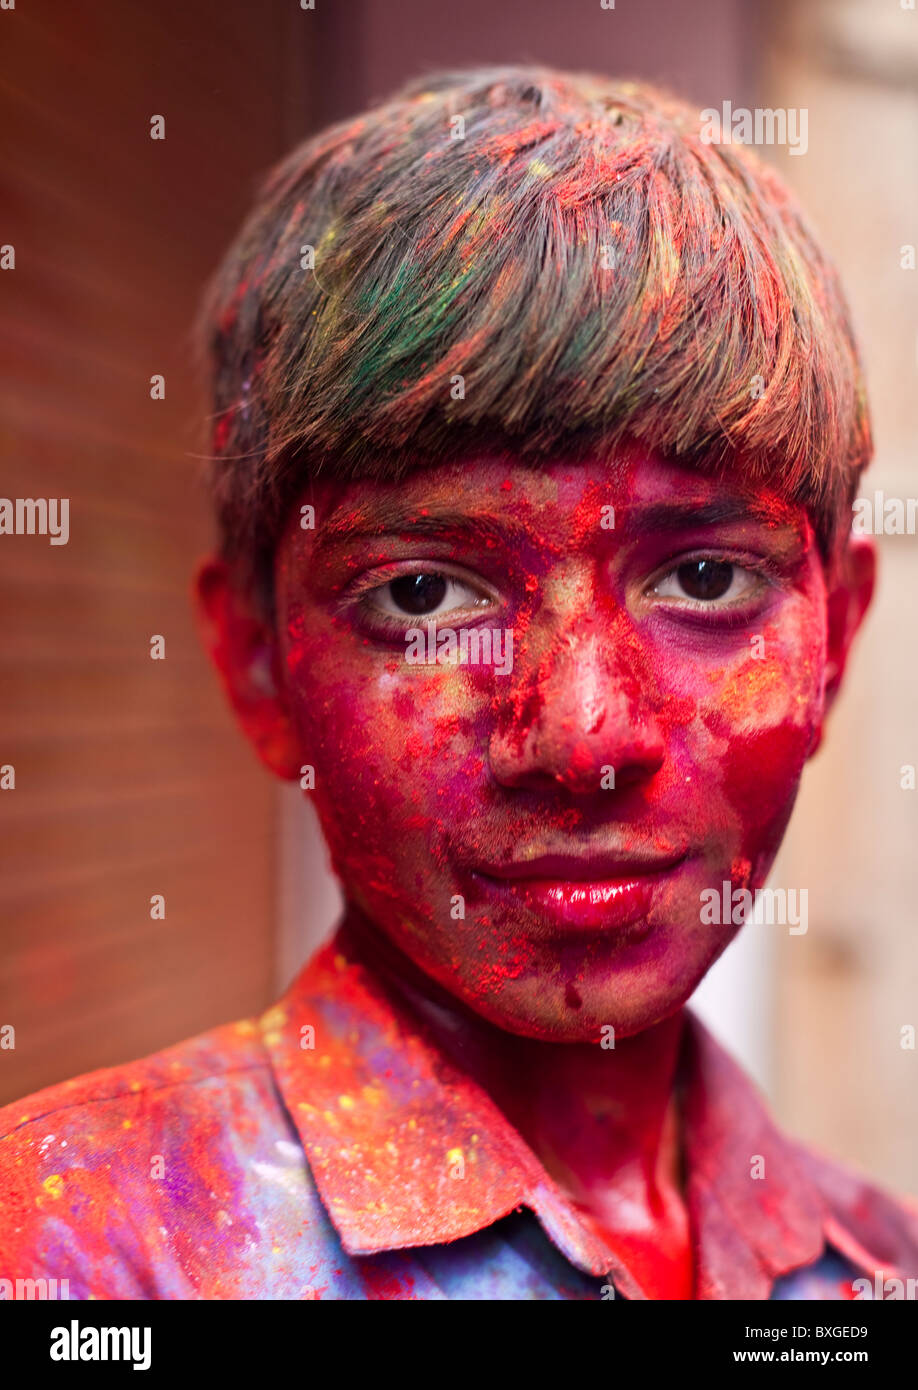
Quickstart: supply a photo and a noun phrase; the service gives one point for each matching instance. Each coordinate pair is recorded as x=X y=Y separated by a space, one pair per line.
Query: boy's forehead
x=634 y=491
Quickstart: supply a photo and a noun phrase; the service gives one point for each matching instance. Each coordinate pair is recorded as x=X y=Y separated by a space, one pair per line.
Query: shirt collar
x=407 y=1150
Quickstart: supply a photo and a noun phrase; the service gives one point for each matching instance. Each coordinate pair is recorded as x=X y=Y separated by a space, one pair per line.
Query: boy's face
x=536 y=833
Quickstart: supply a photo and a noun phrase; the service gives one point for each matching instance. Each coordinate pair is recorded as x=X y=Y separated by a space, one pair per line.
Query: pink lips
x=582 y=893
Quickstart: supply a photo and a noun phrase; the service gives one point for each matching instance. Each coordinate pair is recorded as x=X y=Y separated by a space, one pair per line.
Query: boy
x=538 y=425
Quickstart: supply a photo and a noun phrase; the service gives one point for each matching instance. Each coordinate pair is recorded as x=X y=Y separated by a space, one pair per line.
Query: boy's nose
x=587 y=709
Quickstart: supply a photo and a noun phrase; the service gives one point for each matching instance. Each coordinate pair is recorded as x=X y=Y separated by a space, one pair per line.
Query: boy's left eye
x=707 y=581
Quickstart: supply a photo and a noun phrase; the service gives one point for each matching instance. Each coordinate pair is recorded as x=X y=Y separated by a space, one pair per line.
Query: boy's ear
x=243 y=646
x=847 y=601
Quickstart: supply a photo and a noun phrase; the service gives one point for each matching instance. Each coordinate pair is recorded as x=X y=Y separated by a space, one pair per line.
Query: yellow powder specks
x=346 y=1102
x=669 y=265
x=54 y=1185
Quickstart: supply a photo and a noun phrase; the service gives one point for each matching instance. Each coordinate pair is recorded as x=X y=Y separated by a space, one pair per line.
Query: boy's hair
x=573 y=251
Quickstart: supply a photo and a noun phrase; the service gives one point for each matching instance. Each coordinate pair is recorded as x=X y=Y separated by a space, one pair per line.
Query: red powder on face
x=426 y=776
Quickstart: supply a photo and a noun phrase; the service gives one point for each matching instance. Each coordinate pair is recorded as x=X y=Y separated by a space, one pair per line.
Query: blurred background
x=130 y=778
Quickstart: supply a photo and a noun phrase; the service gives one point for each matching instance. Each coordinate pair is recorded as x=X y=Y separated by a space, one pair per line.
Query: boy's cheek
x=387 y=749
x=753 y=734
x=774 y=679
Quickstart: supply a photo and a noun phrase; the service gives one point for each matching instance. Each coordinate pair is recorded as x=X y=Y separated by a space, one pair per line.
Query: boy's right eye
x=425 y=594
x=417 y=593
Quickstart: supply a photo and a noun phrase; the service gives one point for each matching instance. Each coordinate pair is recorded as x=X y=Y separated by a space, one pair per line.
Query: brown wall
x=130 y=780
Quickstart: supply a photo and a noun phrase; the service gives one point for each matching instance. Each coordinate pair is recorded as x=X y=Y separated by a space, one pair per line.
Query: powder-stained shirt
x=330 y=1149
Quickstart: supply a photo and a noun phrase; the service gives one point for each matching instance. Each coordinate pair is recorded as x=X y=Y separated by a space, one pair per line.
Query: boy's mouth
x=581 y=892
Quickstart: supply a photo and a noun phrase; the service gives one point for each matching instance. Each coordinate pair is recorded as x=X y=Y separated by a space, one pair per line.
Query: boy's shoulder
x=155 y=1178
x=123 y=1089
x=874 y=1227
x=798 y=1201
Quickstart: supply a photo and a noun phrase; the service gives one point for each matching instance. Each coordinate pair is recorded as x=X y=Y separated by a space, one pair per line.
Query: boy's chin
x=574 y=1015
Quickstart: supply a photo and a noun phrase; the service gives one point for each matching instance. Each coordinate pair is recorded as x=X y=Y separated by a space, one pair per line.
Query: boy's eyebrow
x=386 y=521
x=685 y=516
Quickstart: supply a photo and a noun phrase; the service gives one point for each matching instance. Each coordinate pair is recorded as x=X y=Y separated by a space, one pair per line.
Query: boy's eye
x=707 y=581
x=425 y=595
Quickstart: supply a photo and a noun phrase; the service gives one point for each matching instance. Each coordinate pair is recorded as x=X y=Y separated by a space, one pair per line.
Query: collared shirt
x=330 y=1149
